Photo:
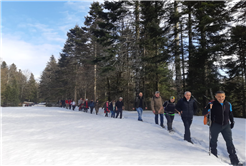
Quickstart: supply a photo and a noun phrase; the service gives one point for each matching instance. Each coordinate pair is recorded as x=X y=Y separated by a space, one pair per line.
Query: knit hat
x=172 y=97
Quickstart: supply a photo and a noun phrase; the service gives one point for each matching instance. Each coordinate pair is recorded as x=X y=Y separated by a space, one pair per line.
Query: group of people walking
x=186 y=107
x=113 y=108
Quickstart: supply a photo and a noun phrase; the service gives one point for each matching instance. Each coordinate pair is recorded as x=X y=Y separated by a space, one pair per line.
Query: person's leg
x=117 y=113
x=91 y=109
x=214 y=131
x=120 y=113
x=227 y=135
x=139 y=113
x=162 y=120
x=168 y=121
x=171 y=123
x=156 y=118
x=187 y=128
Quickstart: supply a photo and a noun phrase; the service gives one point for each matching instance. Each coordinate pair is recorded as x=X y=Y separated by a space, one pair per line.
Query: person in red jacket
x=70 y=103
x=67 y=103
x=86 y=105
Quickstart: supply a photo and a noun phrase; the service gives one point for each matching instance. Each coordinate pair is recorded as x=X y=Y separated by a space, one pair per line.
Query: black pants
x=169 y=121
x=119 y=111
x=74 y=107
x=91 y=109
x=70 y=106
x=187 y=123
x=227 y=135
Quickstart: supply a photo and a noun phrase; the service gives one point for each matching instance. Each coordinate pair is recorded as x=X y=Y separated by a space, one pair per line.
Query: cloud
x=27 y=55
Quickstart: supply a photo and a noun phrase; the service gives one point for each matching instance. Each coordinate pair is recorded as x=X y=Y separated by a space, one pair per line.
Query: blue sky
x=32 y=31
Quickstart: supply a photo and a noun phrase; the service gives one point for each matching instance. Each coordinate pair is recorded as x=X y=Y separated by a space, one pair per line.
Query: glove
x=232 y=124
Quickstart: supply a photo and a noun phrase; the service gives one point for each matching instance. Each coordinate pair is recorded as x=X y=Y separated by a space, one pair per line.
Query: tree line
x=125 y=47
x=17 y=86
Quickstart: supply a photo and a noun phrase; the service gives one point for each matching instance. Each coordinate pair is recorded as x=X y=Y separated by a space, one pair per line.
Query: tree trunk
x=183 y=64
x=95 y=74
x=177 y=56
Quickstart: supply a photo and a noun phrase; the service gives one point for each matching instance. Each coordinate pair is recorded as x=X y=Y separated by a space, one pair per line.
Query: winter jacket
x=106 y=108
x=73 y=103
x=169 y=107
x=156 y=105
x=140 y=102
x=80 y=102
x=97 y=106
x=66 y=102
x=119 y=104
x=221 y=113
x=92 y=104
x=188 y=108
x=86 y=104
x=111 y=108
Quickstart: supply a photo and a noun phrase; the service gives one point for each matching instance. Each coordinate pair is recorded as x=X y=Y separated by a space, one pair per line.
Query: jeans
x=140 y=112
x=112 y=114
x=187 y=123
x=119 y=111
x=161 y=117
x=227 y=135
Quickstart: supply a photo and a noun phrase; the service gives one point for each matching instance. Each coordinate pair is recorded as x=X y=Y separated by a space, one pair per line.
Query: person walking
x=106 y=108
x=169 y=108
x=112 y=108
x=157 y=108
x=186 y=107
x=70 y=103
x=73 y=104
x=140 y=105
x=97 y=106
x=67 y=103
x=92 y=105
x=221 y=114
x=63 y=103
x=86 y=105
x=119 y=106
x=79 y=103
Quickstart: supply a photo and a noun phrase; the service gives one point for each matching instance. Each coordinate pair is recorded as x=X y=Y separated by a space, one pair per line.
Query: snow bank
x=57 y=136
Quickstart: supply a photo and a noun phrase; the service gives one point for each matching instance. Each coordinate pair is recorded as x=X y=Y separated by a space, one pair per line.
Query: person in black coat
x=221 y=114
x=169 y=112
x=140 y=104
x=119 y=107
x=186 y=107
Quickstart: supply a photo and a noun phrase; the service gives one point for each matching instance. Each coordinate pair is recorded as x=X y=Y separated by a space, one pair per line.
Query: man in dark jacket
x=186 y=108
x=92 y=105
x=119 y=106
x=221 y=113
x=140 y=105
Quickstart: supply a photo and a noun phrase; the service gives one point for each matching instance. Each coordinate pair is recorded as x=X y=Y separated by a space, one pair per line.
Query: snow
x=57 y=136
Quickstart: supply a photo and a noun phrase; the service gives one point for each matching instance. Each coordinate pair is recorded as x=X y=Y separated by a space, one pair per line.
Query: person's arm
x=152 y=105
x=145 y=105
x=178 y=107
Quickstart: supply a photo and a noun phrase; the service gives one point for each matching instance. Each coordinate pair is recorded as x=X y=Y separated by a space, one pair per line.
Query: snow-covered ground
x=57 y=136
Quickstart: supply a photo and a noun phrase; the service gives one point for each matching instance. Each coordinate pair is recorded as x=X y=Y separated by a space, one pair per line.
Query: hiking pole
x=195 y=99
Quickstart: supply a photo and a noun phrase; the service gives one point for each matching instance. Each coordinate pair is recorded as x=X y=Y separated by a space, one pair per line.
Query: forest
x=127 y=47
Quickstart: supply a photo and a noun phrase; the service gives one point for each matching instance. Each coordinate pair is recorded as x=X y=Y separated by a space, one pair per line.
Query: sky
x=32 y=31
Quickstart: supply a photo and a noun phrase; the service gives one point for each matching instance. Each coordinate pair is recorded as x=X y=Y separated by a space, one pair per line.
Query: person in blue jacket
x=92 y=105
x=221 y=114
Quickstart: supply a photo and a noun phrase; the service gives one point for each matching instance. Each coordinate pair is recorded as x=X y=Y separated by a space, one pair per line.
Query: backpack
x=206 y=119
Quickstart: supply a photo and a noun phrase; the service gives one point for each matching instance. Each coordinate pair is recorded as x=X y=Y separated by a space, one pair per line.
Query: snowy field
x=57 y=136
